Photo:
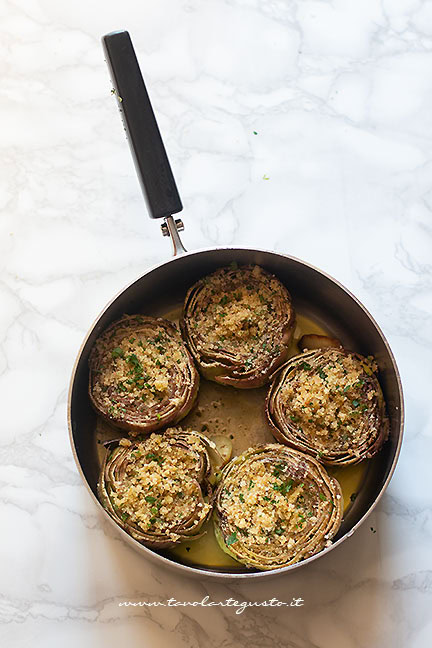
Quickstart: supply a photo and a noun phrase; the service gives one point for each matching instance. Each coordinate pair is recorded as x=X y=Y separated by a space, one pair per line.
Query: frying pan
x=162 y=289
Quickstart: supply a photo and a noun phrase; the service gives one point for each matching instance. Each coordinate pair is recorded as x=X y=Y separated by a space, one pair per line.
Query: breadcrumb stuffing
x=242 y=313
x=329 y=401
x=160 y=487
x=137 y=370
x=266 y=505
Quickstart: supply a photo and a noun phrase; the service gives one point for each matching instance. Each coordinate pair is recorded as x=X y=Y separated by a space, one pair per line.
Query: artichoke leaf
x=142 y=377
x=329 y=404
x=275 y=506
x=238 y=324
x=159 y=488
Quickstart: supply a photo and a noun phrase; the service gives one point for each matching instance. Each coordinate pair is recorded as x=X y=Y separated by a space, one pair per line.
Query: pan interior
x=321 y=306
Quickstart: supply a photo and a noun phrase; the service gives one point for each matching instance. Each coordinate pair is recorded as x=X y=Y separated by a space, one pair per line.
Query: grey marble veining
x=339 y=174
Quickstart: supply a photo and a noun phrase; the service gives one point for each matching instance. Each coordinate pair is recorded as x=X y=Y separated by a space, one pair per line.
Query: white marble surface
x=340 y=95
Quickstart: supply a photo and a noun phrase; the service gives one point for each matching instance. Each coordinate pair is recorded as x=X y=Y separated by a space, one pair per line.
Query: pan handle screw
x=179 y=224
x=171 y=227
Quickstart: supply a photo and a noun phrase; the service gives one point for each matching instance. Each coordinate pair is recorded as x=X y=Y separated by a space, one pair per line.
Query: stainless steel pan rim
x=206 y=573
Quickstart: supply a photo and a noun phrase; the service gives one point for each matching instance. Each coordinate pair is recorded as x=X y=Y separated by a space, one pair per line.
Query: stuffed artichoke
x=238 y=323
x=160 y=489
x=329 y=404
x=275 y=506
x=142 y=377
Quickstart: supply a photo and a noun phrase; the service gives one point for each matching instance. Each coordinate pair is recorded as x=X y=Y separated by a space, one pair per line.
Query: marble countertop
x=339 y=173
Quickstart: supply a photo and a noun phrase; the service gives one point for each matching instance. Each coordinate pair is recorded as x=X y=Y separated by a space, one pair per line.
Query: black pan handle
x=151 y=161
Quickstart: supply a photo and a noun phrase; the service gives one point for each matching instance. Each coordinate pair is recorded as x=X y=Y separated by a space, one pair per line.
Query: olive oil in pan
x=239 y=415
x=205 y=552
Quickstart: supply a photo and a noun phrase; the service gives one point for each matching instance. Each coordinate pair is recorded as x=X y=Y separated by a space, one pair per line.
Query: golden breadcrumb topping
x=136 y=370
x=265 y=505
x=238 y=314
x=160 y=488
x=329 y=402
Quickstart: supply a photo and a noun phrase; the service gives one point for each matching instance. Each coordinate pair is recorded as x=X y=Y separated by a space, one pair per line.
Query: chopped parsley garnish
x=278 y=469
x=231 y=539
x=284 y=488
x=133 y=360
x=322 y=497
x=117 y=353
x=153 y=457
x=150 y=499
x=301 y=520
x=279 y=531
x=269 y=499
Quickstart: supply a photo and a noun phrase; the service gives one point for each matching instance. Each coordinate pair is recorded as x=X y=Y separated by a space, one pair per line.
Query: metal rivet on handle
x=179 y=224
